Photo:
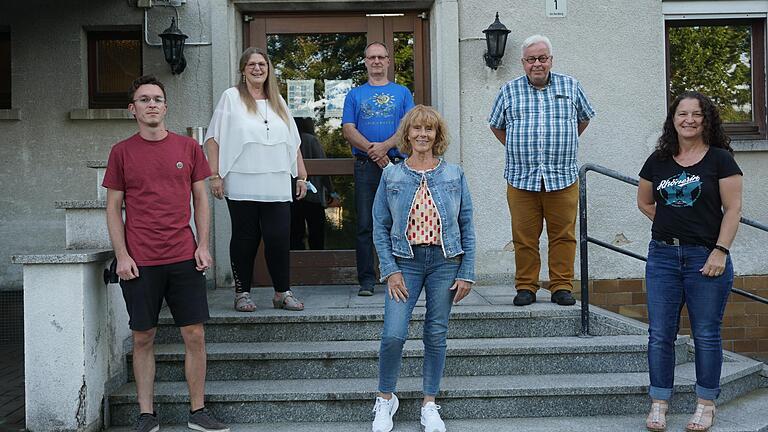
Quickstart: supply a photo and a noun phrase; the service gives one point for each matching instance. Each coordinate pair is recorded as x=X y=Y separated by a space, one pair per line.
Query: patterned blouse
x=423 y=220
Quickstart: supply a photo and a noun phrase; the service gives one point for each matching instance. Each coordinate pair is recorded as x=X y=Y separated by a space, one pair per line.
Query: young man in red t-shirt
x=153 y=173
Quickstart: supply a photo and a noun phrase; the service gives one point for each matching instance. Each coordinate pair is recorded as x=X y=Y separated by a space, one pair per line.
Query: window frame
x=6 y=100
x=96 y=99
x=756 y=129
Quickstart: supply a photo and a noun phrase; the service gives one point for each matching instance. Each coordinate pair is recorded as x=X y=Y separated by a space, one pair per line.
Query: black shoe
x=365 y=291
x=147 y=423
x=524 y=298
x=202 y=420
x=563 y=298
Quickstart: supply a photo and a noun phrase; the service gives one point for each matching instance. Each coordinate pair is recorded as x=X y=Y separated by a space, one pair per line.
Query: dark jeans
x=367 y=176
x=252 y=220
x=307 y=217
x=673 y=278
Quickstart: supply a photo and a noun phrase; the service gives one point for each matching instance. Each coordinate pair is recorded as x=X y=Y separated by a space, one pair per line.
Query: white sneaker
x=384 y=410
x=430 y=418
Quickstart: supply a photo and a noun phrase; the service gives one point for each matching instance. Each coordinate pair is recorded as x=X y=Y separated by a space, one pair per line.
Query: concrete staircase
x=508 y=368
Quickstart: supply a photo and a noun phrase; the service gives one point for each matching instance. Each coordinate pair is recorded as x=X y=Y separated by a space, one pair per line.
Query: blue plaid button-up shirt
x=541 y=130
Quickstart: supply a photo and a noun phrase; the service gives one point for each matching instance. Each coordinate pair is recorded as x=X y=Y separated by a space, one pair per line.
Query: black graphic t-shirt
x=688 y=205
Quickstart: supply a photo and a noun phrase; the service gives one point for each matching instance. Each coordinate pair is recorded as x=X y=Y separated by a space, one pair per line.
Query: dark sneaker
x=202 y=420
x=147 y=423
x=365 y=291
x=524 y=298
x=563 y=298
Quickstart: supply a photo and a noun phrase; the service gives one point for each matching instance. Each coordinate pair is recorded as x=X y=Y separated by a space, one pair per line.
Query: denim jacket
x=392 y=205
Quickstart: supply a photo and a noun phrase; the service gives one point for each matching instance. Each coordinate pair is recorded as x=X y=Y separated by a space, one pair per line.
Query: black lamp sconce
x=496 y=40
x=172 y=40
x=173 y=47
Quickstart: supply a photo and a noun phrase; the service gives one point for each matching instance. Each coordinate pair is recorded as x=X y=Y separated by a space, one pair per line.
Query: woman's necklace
x=264 y=117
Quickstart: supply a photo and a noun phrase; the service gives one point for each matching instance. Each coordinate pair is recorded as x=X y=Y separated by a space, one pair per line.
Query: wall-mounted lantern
x=173 y=47
x=496 y=39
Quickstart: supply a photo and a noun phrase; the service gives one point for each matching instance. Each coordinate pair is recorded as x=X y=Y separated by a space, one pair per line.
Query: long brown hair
x=271 y=88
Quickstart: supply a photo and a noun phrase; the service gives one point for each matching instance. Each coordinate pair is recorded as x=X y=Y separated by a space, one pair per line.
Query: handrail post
x=583 y=250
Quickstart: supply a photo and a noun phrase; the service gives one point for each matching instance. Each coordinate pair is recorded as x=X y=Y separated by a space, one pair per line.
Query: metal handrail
x=585 y=239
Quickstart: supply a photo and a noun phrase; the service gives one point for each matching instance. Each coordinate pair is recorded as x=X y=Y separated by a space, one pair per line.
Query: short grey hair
x=533 y=40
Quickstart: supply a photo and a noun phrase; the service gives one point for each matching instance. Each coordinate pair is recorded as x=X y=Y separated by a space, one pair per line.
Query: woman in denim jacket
x=425 y=238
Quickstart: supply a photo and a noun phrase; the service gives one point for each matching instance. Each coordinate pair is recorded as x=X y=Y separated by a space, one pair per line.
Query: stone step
x=462 y=397
x=85 y=224
x=269 y=325
x=744 y=414
x=468 y=357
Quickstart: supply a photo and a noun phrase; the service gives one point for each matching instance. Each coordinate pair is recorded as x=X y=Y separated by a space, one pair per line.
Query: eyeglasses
x=261 y=65
x=541 y=59
x=145 y=100
x=379 y=58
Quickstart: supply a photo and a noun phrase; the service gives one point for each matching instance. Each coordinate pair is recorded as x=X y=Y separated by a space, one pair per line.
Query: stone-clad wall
x=745 y=324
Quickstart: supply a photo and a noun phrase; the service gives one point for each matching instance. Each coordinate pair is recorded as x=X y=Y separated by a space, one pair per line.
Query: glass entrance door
x=320 y=54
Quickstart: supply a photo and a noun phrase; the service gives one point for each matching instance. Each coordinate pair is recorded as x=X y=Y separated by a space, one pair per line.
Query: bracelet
x=722 y=249
x=301 y=180
x=214 y=177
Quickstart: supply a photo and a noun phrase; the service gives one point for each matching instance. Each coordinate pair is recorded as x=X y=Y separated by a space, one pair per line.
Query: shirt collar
x=549 y=82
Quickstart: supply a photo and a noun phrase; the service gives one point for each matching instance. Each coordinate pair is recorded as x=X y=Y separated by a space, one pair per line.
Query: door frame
x=339 y=266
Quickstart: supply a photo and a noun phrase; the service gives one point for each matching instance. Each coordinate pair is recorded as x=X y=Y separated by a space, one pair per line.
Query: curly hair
x=714 y=135
x=425 y=116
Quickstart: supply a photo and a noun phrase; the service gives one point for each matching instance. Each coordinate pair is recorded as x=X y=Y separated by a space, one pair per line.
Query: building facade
x=55 y=118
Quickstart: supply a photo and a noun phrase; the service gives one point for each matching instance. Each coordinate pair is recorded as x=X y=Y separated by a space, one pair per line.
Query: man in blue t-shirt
x=372 y=113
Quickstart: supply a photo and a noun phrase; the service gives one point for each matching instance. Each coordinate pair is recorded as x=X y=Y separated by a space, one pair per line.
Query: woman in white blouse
x=253 y=151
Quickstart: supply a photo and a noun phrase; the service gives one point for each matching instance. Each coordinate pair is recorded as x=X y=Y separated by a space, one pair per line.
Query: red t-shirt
x=157 y=177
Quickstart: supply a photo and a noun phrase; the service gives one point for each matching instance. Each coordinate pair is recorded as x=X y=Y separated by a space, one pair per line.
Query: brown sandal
x=287 y=301
x=657 y=418
x=243 y=302
x=702 y=419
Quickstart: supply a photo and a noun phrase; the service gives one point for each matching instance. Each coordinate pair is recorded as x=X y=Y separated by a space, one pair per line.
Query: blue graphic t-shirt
x=688 y=205
x=376 y=111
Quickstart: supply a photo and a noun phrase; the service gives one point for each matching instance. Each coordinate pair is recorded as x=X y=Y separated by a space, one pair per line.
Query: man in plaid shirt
x=538 y=117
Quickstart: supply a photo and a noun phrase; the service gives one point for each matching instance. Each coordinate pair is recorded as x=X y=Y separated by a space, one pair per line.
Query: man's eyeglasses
x=541 y=59
x=379 y=58
x=146 y=100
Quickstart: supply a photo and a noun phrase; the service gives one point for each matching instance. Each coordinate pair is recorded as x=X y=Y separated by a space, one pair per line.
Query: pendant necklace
x=264 y=117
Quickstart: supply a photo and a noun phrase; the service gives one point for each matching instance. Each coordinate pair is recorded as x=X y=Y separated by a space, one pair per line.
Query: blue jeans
x=431 y=270
x=673 y=279
x=367 y=177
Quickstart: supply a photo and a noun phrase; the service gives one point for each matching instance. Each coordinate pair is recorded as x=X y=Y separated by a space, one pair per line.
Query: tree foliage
x=714 y=60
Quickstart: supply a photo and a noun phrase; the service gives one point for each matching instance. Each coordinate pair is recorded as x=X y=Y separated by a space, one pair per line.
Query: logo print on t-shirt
x=378 y=105
x=680 y=190
x=179 y=165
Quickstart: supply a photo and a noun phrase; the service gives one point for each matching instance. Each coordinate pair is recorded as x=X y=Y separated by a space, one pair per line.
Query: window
x=5 y=69
x=724 y=59
x=114 y=61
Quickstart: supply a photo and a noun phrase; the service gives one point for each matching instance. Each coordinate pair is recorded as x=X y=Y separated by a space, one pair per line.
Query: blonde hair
x=426 y=116
x=271 y=88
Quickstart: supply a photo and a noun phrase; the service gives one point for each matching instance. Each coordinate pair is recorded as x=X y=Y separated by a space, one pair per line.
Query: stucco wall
x=44 y=152
x=616 y=50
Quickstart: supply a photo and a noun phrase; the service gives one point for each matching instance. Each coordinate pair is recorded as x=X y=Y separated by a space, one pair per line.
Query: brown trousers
x=528 y=211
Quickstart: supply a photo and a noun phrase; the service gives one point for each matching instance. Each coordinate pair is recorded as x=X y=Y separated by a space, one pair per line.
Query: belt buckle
x=675 y=241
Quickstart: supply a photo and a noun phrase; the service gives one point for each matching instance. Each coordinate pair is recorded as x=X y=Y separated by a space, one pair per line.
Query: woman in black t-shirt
x=690 y=187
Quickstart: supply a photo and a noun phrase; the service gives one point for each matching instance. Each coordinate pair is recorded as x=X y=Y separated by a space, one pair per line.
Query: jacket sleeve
x=467 y=228
x=382 y=226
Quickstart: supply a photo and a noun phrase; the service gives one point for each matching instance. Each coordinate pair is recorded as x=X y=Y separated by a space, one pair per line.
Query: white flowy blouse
x=256 y=159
